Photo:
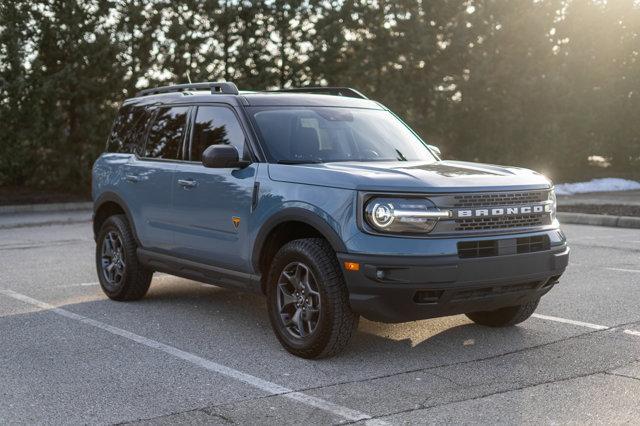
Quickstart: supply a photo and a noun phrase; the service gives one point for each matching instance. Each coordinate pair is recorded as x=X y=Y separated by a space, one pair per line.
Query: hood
x=413 y=176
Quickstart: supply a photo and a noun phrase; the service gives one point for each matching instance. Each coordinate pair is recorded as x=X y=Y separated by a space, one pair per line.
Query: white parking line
x=583 y=324
x=77 y=285
x=568 y=321
x=157 y=276
x=624 y=270
x=264 y=385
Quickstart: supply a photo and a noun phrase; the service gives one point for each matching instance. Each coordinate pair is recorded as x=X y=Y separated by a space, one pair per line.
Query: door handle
x=187 y=183
x=132 y=178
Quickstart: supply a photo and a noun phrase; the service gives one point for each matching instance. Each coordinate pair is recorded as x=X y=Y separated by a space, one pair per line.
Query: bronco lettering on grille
x=502 y=211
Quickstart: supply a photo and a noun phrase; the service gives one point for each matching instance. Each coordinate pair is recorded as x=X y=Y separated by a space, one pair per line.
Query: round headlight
x=382 y=214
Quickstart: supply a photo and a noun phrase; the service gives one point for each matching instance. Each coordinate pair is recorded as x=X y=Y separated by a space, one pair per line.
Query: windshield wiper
x=400 y=156
x=299 y=162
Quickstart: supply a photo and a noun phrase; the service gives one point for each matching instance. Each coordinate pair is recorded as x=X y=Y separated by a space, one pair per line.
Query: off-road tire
x=504 y=317
x=336 y=322
x=136 y=279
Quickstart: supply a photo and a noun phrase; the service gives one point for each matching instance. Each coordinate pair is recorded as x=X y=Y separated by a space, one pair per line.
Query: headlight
x=554 y=204
x=402 y=215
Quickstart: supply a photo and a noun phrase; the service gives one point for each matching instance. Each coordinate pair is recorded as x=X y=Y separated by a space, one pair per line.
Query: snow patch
x=597 y=185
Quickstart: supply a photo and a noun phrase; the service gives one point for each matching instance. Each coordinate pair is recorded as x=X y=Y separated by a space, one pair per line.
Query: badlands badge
x=236 y=221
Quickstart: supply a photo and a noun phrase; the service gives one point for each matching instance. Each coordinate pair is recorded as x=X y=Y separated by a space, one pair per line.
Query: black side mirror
x=222 y=157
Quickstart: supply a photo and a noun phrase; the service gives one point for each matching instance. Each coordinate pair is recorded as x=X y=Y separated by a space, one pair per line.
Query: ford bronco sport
x=323 y=200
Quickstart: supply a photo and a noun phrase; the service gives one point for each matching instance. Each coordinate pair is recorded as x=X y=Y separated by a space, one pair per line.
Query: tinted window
x=128 y=129
x=166 y=133
x=135 y=139
x=214 y=126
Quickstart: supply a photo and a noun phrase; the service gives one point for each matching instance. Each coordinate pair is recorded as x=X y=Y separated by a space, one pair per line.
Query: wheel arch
x=299 y=223
x=108 y=204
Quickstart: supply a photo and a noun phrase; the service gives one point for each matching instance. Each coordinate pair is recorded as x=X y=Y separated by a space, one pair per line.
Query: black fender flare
x=112 y=197
x=296 y=214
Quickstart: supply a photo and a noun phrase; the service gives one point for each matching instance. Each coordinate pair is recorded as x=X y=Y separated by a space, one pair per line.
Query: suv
x=322 y=200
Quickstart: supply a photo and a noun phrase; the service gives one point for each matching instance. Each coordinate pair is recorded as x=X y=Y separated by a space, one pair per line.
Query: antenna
x=188 y=77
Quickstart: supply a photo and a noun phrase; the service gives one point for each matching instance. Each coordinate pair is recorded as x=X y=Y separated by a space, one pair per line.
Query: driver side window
x=215 y=125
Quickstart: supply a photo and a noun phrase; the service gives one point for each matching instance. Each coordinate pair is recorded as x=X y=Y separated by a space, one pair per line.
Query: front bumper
x=408 y=288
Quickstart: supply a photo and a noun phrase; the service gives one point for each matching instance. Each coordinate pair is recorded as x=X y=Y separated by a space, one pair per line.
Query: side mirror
x=435 y=149
x=222 y=157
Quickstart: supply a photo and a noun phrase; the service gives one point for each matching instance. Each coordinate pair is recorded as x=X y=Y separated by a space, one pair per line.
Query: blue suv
x=324 y=201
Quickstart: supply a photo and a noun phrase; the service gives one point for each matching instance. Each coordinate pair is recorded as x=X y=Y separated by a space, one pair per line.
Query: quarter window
x=166 y=133
x=135 y=140
x=215 y=126
x=127 y=133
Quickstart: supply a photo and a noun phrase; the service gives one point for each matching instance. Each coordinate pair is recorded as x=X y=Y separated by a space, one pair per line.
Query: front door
x=212 y=206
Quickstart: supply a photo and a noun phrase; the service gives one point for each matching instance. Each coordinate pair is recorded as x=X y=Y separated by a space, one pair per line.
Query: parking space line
x=77 y=285
x=572 y=322
x=157 y=276
x=584 y=324
x=256 y=382
x=624 y=270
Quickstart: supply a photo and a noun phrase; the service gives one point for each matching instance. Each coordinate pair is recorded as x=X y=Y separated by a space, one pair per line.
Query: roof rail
x=223 y=87
x=336 y=91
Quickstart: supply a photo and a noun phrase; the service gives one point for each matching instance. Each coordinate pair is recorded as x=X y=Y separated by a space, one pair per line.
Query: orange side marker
x=352 y=266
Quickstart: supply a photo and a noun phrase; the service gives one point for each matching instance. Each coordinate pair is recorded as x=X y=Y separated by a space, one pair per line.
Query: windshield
x=325 y=134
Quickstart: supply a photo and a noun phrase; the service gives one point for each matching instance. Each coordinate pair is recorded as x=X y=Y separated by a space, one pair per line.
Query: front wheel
x=307 y=300
x=504 y=317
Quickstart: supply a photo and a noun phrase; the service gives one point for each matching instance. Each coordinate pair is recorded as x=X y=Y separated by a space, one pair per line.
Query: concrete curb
x=51 y=207
x=69 y=221
x=599 y=220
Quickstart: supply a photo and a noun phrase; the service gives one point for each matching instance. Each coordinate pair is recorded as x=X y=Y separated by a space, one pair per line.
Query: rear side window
x=215 y=126
x=166 y=133
x=136 y=140
x=128 y=129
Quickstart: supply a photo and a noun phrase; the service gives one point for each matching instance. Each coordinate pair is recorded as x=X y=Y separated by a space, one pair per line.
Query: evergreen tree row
x=548 y=84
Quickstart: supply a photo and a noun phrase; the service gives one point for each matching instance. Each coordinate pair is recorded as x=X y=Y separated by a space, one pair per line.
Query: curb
x=599 y=220
x=51 y=207
x=69 y=221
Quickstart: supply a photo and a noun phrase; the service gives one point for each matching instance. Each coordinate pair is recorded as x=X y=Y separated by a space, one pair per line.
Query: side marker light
x=352 y=266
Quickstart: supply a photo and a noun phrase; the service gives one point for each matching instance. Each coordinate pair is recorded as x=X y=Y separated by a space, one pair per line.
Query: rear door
x=212 y=206
x=149 y=176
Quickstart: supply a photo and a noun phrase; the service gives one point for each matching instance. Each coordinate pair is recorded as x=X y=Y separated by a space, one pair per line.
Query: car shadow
x=442 y=339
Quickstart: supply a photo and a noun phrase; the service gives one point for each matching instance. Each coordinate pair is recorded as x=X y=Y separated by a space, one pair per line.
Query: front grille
x=500 y=222
x=489 y=200
x=499 y=199
x=492 y=224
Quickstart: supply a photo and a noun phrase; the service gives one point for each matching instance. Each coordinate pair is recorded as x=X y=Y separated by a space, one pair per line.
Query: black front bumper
x=408 y=288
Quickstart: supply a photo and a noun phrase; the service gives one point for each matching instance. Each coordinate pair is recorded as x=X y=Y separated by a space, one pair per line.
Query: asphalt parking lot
x=190 y=353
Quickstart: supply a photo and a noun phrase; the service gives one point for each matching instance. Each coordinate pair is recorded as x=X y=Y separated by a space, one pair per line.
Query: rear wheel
x=504 y=317
x=120 y=274
x=308 y=301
